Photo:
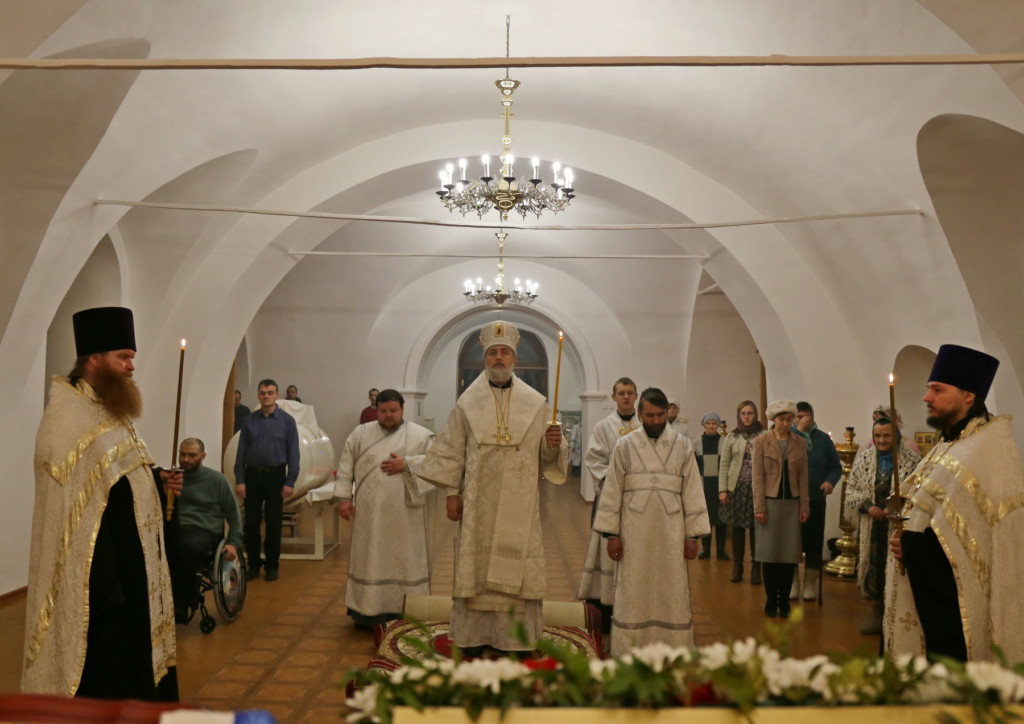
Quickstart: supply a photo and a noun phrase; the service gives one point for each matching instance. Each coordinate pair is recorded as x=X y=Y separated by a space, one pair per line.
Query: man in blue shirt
x=266 y=467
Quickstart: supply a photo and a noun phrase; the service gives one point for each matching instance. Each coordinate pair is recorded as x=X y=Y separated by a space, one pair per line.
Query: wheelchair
x=226 y=579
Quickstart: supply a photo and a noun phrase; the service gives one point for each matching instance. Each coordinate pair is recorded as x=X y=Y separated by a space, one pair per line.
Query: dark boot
x=705 y=547
x=739 y=543
x=720 y=534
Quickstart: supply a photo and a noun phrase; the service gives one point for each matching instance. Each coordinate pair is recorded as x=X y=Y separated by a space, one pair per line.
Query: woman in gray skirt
x=781 y=504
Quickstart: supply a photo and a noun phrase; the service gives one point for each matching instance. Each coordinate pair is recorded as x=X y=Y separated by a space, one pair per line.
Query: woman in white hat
x=781 y=504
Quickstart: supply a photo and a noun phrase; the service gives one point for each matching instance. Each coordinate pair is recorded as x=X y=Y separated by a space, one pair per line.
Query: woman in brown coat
x=781 y=504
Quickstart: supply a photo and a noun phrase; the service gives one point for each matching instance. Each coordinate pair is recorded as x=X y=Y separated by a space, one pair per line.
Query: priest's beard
x=118 y=393
x=654 y=430
x=499 y=374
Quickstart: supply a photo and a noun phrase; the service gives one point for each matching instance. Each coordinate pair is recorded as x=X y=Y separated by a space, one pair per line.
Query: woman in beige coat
x=781 y=504
x=735 y=492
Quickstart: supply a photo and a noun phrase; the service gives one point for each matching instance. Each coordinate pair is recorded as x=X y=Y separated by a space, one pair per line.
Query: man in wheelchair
x=207 y=501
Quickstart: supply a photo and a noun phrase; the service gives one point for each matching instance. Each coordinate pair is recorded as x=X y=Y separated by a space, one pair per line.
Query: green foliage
x=742 y=674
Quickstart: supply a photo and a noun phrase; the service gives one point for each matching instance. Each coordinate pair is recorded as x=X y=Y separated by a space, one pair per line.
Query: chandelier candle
x=177 y=418
x=558 y=377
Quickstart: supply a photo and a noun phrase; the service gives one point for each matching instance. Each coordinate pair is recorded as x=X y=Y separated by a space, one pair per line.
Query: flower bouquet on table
x=742 y=674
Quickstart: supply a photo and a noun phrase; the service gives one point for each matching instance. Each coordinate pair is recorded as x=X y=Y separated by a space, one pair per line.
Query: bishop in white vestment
x=489 y=458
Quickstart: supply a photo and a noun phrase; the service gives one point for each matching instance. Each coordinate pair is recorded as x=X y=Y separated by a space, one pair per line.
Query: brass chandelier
x=476 y=292
x=505 y=192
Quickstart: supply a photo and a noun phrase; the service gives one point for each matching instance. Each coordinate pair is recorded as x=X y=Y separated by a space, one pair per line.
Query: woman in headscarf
x=868 y=489
x=735 y=493
x=781 y=504
x=706 y=447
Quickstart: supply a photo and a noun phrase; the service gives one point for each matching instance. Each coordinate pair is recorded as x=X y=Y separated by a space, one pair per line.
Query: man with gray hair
x=489 y=458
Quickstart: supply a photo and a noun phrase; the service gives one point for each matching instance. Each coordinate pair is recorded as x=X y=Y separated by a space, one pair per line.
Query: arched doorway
x=531 y=361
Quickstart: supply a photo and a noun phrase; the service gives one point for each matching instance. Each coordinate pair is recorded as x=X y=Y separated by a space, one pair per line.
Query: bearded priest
x=100 y=616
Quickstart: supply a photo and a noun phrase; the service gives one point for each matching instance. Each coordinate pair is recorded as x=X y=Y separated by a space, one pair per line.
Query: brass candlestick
x=895 y=504
x=845 y=564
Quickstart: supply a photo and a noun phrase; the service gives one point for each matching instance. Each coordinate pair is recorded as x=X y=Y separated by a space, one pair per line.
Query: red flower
x=702 y=695
x=546 y=663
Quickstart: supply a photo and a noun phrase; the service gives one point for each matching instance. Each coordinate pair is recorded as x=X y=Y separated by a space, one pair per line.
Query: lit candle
x=556 y=167
x=462 y=169
x=487 y=165
x=568 y=178
x=177 y=418
x=536 y=166
x=558 y=376
x=895 y=438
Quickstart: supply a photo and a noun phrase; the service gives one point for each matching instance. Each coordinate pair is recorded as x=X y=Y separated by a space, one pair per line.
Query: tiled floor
x=290 y=647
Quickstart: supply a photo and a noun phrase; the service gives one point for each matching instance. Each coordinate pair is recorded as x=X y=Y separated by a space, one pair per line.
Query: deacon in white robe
x=652 y=512
x=489 y=458
x=597 y=582
x=385 y=501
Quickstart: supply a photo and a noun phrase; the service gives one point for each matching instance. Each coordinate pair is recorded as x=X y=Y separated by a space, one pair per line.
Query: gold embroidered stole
x=970 y=492
x=81 y=452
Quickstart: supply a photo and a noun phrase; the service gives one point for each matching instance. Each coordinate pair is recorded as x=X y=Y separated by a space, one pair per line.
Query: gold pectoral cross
x=503 y=438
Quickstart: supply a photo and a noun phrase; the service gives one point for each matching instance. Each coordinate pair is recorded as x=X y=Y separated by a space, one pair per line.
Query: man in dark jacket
x=823 y=472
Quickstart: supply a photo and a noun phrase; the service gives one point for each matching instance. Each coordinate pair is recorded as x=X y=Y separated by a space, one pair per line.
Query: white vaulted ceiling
x=829 y=304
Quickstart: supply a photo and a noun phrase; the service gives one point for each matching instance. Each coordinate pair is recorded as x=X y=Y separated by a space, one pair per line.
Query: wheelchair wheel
x=208 y=624
x=228 y=585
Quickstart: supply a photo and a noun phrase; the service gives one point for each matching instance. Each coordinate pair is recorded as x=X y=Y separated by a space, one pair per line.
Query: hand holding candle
x=177 y=419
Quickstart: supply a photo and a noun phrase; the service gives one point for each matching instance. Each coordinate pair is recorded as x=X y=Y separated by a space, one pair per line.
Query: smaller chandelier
x=505 y=191
x=476 y=292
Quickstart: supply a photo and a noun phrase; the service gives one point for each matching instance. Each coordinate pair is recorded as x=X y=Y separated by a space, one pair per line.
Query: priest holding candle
x=490 y=456
x=99 y=613
x=962 y=526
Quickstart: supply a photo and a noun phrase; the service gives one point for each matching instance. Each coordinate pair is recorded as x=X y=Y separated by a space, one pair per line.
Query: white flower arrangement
x=741 y=674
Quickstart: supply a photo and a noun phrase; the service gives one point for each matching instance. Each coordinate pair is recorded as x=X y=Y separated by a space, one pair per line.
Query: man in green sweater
x=206 y=501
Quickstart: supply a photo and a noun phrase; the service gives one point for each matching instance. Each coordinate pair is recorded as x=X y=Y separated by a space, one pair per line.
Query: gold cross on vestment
x=908 y=621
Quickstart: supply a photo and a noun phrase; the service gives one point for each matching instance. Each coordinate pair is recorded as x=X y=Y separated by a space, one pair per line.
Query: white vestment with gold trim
x=598 y=578
x=389 y=540
x=653 y=499
x=81 y=452
x=970 y=492
x=499 y=550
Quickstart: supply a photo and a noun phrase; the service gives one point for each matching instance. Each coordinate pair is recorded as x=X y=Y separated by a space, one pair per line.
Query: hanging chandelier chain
x=505 y=192
x=518 y=294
